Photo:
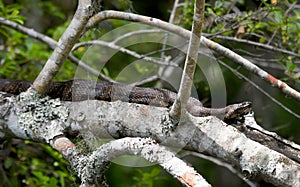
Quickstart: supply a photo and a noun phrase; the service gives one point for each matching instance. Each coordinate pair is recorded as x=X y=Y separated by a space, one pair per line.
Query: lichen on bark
x=41 y=118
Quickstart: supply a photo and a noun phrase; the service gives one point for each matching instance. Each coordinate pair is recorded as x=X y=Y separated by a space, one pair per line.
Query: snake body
x=79 y=90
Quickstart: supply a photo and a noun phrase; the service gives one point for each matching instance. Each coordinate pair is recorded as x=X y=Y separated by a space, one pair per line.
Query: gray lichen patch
x=168 y=124
x=6 y=104
x=42 y=118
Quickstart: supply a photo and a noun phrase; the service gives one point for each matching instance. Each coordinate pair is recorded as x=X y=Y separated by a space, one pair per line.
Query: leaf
x=52 y=182
x=40 y=176
x=155 y=172
x=262 y=40
x=8 y=163
x=105 y=71
x=261 y=25
x=278 y=16
x=290 y=66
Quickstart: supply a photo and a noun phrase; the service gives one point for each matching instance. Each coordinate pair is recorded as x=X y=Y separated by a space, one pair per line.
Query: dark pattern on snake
x=79 y=90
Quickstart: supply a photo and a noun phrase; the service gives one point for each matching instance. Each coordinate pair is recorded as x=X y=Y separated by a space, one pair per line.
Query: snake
x=80 y=90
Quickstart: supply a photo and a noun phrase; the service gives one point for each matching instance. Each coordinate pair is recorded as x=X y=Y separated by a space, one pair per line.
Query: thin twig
x=265 y=46
x=221 y=163
x=52 y=44
x=84 y=66
x=171 y=19
x=285 y=14
x=123 y=50
x=130 y=34
x=146 y=80
x=289 y=91
x=163 y=69
x=110 y=14
x=232 y=5
x=190 y=62
x=238 y=74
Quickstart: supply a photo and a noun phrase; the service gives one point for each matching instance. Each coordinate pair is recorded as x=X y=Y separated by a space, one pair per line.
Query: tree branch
x=265 y=46
x=171 y=19
x=27 y=115
x=210 y=44
x=52 y=44
x=200 y=134
x=238 y=74
x=123 y=50
x=95 y=164
x=65 y=44
x=187 y=77
x=222 y=164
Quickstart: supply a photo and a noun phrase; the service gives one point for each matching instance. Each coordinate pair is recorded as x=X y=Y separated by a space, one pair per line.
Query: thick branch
x=209 y=135
x=200 y=134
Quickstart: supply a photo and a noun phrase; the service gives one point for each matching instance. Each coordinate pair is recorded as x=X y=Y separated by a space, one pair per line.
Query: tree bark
x=102 y=120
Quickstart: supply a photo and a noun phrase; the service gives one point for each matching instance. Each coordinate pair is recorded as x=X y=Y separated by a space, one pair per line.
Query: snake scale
x=79 y=90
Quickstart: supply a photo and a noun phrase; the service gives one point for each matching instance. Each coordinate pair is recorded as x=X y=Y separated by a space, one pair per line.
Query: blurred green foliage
x=139 y=177
x=11 y=12
x=262 y=22
x=27 y=163
x=30 y=164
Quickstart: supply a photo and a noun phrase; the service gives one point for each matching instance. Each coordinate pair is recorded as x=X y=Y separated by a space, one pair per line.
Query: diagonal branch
x=65 y=44
x=210 y=44
x=238 y=74
x=190 y=62
x=256 y=44
x=112 y=45
x=52 y=44
x=222 y=164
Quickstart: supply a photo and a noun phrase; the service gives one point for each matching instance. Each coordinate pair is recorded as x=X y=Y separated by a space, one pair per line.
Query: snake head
x=235 y=111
